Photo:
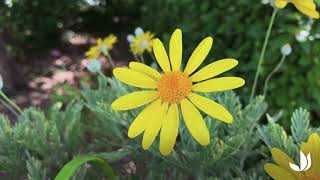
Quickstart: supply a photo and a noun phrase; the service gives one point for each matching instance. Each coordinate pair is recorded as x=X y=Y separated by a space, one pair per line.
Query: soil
x=30 y=82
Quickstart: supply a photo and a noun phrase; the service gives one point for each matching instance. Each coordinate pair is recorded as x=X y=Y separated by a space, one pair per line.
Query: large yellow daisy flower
x=282 y=170
x=102 y=47
x=142 y=43
x=173 y=88
x=307 y=7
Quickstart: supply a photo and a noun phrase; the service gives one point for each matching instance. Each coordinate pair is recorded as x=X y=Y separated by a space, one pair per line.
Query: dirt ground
x=31 y=82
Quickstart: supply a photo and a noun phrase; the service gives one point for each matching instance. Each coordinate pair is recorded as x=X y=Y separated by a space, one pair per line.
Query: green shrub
x=38 y=23
x=40 y=143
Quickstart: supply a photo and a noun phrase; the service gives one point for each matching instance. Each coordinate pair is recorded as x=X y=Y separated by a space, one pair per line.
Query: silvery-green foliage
x=36 y=171
x=300 y=125
x=41 y=142
x=274 y=135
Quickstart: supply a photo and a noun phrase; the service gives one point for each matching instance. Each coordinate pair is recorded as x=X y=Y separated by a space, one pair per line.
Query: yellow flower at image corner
x=281 y=169
x=172 y=88
x=307 y=7
x=102 y=47
x=140 y=44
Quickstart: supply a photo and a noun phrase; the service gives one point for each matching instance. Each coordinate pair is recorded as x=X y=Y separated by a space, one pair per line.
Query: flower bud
x=130 y=38
x=138 y=31
x=94 y=66
x=302 y=36
x=286 y=50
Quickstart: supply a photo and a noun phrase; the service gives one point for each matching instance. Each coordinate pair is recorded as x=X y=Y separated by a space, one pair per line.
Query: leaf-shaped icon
x=309 y=162
x=303 y=161
x=294 y=167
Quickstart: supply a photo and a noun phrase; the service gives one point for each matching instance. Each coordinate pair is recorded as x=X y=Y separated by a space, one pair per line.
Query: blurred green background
x=238 y=28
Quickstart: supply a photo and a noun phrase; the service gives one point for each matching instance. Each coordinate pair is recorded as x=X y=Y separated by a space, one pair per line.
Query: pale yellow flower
x=307 y=7
x=102 y=47
x=281 y=170
x=172 y=88
x=142 y=43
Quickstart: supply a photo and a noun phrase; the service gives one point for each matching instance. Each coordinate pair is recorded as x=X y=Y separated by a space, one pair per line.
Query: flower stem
x=111 y=60
x=10 y=102
x=142 y=59
x=8 y=107
x=275 y=70
x=151 y=55
x=265 y=44
x=136 y=57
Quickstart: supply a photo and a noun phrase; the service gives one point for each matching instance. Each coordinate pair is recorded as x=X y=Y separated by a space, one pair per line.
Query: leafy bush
x=239 y=33
x=38 y=22
x=40 y=143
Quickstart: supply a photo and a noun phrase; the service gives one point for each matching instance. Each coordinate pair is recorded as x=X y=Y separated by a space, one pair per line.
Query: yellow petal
x=154 y=124
x=308 y=4
x=169 y=130
x=99 y=41
x=312 y=146
x=195 y=123
x=213 y=69
x=282 y=159
x=278 y=173
x=145 y=70
x=198 y=55
x=139 y=123
x=134 y=100
x=219 y=84
x=211 y=108
x=307 y=7
x=93 y=53
x=281 y=3
x=175 y=50
x=134 y=78
x=161 y=55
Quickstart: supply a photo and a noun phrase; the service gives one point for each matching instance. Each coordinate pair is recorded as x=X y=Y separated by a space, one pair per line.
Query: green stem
x=275 y=70
x=110 y=60
x=142 y=59
x=10 y=102
x=101 y=74
x=265 y=44
x=8 y=107
x=135 y=57
x=151 y=55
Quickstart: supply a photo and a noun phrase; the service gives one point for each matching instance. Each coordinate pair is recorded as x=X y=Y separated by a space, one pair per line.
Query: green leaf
x=71 y=167
x=300 y=125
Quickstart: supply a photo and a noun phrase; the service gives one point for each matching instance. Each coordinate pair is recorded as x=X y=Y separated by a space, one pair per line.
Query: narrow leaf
x=71 y=167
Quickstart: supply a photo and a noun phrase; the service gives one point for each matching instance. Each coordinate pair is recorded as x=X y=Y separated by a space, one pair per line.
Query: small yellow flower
x=173 y=88
x=281 y=170
x=307 y=7
x=141 y=43
x=102 y=47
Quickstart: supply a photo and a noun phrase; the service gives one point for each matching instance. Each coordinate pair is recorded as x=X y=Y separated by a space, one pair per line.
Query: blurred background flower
x=140 y=42
x=102 y=47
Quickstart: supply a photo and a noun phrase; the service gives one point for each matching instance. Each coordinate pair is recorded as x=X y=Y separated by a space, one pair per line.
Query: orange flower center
x=174 y=87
